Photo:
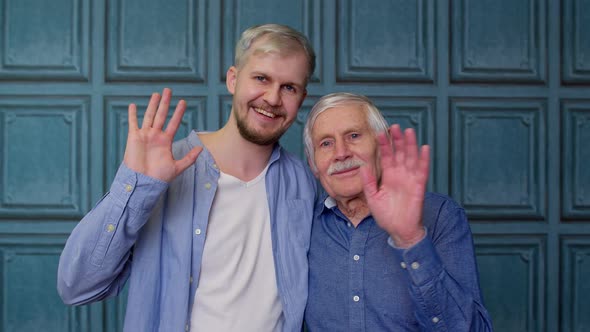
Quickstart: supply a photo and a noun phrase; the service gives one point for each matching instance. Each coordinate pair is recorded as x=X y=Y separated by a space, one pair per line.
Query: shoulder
x=440 y=201
x=294 y=171
x=184 y=145
x=442 y=209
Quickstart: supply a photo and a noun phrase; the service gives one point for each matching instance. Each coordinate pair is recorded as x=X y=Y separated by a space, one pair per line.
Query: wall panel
x=576 y=158
x=386 y=41
x=576 y=44
x=499 y=154
x=499 y=41
x=156 y=41
x=44 y=156
x=521 y=279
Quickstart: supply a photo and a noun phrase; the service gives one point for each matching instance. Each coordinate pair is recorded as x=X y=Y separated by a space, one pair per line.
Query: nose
x=272 y=96
x=341 y=150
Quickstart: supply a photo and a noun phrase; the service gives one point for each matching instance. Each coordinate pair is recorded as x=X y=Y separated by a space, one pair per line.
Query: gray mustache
x=344 y=165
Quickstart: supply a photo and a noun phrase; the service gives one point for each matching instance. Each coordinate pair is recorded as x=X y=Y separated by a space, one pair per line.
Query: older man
x=384 y=255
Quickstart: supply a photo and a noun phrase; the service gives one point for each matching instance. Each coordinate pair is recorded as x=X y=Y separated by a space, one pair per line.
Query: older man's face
x=343 y=141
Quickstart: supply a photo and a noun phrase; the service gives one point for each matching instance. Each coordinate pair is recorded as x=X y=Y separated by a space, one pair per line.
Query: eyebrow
x=262 y=73
x=347 y=131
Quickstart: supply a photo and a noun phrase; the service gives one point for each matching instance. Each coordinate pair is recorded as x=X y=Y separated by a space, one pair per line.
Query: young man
x=384 y=255
x=212 y=230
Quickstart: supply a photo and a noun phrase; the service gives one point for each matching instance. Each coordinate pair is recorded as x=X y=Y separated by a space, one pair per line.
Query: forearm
x=444 y=304
x=95 y=261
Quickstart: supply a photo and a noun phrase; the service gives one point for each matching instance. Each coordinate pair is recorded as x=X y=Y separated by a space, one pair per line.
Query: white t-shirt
x=237 y=288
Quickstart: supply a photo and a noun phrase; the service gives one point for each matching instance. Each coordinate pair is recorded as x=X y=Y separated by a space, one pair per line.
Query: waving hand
x=149 y=148
x=396 y=201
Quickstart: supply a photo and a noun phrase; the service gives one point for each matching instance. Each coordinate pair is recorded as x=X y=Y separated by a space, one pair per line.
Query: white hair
x=374 y=117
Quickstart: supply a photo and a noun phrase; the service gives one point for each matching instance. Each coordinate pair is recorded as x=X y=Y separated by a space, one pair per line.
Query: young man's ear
x=230 y=79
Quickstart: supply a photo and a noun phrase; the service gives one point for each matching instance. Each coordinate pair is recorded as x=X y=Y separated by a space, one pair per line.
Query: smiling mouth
x=265 y=113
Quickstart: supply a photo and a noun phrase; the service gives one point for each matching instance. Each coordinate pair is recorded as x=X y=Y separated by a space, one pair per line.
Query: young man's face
x=268 y=90
x=343 y=141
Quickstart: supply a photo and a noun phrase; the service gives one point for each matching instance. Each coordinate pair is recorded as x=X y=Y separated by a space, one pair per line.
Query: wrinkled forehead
x=341 y=118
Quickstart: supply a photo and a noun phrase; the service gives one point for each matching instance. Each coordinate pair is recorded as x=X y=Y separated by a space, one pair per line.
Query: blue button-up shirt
x=153 y=234
x=360 y=282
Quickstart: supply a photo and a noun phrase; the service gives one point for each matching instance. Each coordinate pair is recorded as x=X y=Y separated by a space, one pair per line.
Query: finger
x=424 y=163
x=148 y=117
x=189 y=159
x=385 y=151
x=174 y=122
x=132 y=117
x=398 y=143
x=369 y=182
x=162 y=112
x=411 y=148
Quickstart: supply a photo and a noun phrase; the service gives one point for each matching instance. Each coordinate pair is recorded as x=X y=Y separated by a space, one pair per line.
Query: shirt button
x=110 y=228
x=403 y=264
x=356 y=257
x=128 y=187
x=207 y=185
x=198 y=231
x=415 y=265
x=435 y=320
x=356 y=298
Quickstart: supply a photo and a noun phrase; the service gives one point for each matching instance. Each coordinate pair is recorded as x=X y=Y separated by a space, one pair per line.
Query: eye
x=289 y=88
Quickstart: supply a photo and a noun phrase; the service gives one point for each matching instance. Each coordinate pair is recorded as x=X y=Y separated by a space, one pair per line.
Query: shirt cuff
x=136 y=190
x=421 y=260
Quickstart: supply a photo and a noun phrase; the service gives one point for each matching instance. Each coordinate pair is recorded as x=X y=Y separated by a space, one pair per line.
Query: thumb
x=369 y=182
x=189 y=159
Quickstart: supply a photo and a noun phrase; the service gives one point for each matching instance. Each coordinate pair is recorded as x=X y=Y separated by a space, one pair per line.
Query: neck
x=234 y=155
x=355 y=209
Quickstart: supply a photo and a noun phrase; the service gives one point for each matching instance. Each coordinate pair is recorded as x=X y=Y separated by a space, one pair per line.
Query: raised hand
x=396 y=202
x=149 y=148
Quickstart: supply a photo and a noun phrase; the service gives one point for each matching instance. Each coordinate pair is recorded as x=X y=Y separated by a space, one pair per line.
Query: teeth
x=263 y=112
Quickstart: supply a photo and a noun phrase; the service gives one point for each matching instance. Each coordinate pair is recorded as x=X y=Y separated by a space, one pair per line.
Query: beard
x=253 y=136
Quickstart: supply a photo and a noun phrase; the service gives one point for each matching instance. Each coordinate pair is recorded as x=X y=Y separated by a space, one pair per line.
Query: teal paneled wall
x=499 y=88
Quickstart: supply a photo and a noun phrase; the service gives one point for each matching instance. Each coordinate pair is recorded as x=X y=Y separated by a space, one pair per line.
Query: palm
x=149 y=148
x=396 y=202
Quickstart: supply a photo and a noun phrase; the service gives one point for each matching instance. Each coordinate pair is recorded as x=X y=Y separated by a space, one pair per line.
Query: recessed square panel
x=499 y=41
x=44 y=40
x=575 y=267
x=512 y=279
x=576 y=43
x=29 y=295
x=156 y=40
x=498 y=158
x=385 y=41
x=576 y=158
x=43 y=157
